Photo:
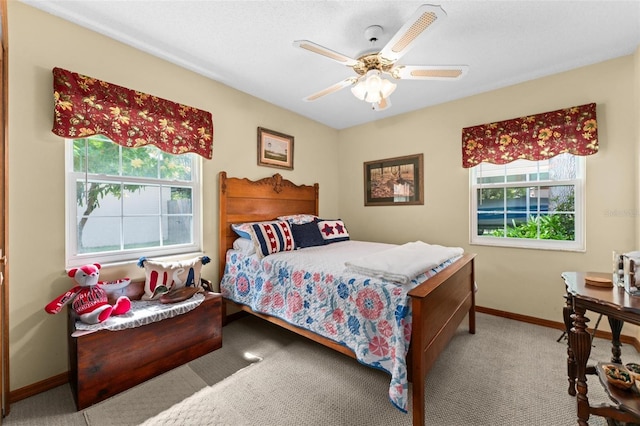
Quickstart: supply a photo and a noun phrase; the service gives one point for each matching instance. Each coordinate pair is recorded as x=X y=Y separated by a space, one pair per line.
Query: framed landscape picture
x=275 y=149
x=394 y=181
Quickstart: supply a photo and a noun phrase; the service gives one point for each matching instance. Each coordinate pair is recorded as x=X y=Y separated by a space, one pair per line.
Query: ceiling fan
x=371 y=67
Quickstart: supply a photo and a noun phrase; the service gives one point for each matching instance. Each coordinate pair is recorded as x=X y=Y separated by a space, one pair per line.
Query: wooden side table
x=619 y=307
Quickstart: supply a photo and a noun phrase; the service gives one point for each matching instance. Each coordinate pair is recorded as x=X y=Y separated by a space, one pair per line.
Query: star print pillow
x=273 y=237
x=333 y=231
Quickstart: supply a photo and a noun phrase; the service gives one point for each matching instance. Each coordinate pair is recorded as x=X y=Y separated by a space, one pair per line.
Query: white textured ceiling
x=247 y=45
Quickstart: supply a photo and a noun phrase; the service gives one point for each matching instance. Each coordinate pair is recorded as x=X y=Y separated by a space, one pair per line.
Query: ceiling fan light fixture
x=370 y=83
x=373 y=97
x=373 y=80
x=387 y=88
x=358 y=90
x=382 y=105
x=372 y=87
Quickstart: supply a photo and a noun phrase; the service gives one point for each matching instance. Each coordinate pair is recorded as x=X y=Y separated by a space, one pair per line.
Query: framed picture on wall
x=394 y=181
x=275 y=149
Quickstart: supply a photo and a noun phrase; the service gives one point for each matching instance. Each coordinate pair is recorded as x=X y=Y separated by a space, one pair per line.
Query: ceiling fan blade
x=382 y=105
x=425 y=17
x=321 y=50
x=426 y=72
x=331 y=89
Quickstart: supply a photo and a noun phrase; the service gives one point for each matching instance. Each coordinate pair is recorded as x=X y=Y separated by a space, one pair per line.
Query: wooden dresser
x=105 y=363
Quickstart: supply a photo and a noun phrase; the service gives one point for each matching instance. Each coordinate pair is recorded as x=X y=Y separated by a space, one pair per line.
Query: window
x=529 y=204
x=123 y=203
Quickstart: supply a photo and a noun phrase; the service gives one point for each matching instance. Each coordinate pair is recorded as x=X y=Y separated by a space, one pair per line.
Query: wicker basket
x=619 y=376
x=634 y=370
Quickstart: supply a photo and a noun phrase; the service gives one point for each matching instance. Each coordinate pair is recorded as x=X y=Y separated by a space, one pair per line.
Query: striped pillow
x=273 y=237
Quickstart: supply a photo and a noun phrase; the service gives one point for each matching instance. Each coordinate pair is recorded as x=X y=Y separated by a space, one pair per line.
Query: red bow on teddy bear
x=89 y=299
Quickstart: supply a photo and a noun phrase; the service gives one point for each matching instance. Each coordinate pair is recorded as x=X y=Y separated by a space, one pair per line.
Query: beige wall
x=522 y=281
x=636 y=119
x=37 y=43
x=515 y=280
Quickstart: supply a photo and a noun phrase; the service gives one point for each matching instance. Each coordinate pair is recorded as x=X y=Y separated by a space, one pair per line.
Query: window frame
x=579 y=183
x=75 y=259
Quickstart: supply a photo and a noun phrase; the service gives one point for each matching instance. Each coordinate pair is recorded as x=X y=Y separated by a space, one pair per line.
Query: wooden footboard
x=439 y=305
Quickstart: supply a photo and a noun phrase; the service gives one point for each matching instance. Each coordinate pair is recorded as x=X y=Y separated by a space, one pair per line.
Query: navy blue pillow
x=307 y=235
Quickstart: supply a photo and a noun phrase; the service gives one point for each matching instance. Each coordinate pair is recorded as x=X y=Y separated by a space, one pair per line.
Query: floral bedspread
x=311 y=289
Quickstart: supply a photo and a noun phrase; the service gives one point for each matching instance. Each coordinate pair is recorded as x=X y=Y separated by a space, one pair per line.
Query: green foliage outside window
x=554 y=226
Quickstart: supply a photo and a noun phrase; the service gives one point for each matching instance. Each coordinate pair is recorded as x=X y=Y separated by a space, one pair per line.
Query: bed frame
x=439 y=304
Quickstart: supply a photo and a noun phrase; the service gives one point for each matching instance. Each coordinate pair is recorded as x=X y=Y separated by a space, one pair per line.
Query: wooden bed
x=439 y=304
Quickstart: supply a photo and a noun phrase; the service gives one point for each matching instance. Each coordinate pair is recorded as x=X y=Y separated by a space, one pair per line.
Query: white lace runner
x=142 y=312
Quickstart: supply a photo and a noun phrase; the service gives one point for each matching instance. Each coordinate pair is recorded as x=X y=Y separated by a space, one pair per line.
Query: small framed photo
x=275 y=149
x=394 y=181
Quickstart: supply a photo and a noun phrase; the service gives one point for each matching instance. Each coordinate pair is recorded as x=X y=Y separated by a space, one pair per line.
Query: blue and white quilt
x=310 y=288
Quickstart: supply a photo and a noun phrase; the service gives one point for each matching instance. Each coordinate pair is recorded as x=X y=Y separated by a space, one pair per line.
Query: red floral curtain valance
x=536 y=137
x=85 y=106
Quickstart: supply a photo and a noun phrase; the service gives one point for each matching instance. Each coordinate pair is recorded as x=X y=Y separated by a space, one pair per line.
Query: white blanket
x=402 y=263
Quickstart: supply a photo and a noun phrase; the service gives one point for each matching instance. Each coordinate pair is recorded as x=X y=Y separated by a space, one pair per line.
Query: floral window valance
x=86 y=106
x=535 y=137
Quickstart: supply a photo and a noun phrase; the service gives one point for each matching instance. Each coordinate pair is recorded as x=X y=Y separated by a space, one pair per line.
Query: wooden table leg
x=571 y=362
x=580 y=343
x=616 y=329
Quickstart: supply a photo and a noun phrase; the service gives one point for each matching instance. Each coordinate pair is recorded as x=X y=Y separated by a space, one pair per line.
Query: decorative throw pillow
x=307 y=235
x=161 y=277
x=298 y=219
x=333 y=231
x=273 y=237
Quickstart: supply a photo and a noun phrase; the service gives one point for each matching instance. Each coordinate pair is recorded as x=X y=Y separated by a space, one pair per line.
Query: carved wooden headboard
x=242 y=200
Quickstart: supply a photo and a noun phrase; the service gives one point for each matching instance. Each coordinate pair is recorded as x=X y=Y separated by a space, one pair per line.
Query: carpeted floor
x=508 y=373
x=136 y=405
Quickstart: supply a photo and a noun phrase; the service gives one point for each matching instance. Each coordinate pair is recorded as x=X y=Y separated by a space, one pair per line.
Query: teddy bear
x=89 y=298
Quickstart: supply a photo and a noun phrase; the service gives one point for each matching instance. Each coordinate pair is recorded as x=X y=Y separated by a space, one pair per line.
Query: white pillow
x=245 y=246
x=298 y=219
x=333 y=231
